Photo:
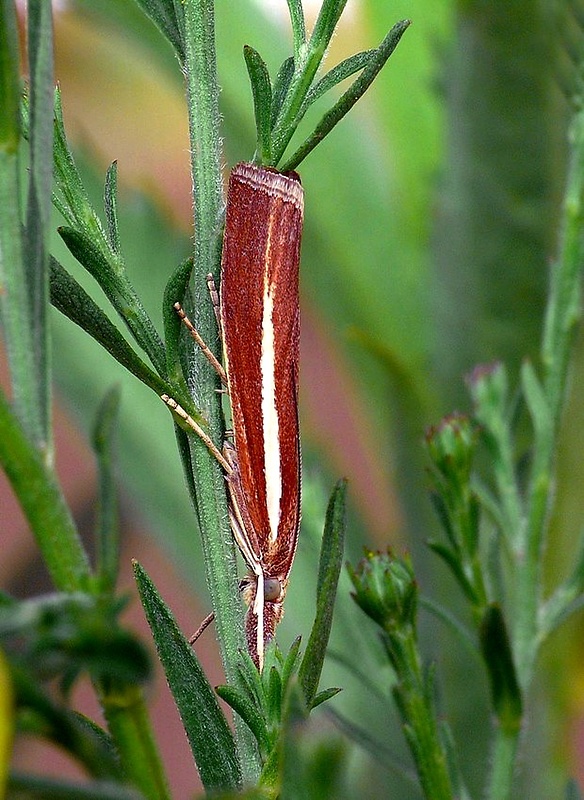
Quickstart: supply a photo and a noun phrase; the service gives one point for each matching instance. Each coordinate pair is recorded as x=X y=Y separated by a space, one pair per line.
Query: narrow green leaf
x=454 y=561
x=280 y=87
x=74 y=302
x=75 y=204
x=536 y=399
x=27 y=787
x=291 y=662
x=261 y=88
x=377 y=749
x=350 y=97
x=274 y=695
x=572 y=791
x=38 y=213
x=249 y=713
x=298 y=26
x=107 y=524
x=452 y=759
x=326 y=22
x=110 y=202
x=496 y=650
x=329 y=568
x=163 y=14
x=60 y=725
x=305 y=68
x=23 y=259
x=251 y=679
x=43 y=504
x=7 y=720
x=326 y=694
x=337 y=74
x=119 y=292
x=174 y=292
x=452 y=622
x=9 y=78
x=209 y=736
x=567 y=598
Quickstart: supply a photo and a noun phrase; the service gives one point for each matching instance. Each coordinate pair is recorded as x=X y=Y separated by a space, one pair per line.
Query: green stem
x=206 y=479
x=421 y=728
x=129 y=725
x=503 y=765
x=43 y=504
x=562 y=318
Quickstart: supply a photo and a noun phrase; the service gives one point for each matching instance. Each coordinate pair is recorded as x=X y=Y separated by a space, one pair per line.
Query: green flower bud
x=386 y=589
x=488 y=387
x=451 y=445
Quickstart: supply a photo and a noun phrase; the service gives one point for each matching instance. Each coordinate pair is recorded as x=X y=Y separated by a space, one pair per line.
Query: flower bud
x=451 y=445
x=386 y=589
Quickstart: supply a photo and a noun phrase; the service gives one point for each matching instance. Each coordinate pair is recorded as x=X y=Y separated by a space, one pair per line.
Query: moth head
x=274 y=590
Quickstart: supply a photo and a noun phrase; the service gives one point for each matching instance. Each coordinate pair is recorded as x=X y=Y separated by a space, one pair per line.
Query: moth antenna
x=214 y=294
x=213 y=449
x=202 y=344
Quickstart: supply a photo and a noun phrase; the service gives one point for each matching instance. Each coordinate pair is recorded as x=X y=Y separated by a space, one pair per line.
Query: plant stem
x=503 y=764
x=207 y=479
x=41 y=500
x=129 y=724
x=562 y=317
x=419 y=716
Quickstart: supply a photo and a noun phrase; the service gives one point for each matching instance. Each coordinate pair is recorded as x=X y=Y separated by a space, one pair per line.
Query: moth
x=260 y=329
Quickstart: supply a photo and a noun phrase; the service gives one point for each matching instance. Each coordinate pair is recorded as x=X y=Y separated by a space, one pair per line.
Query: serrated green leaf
x=209 y=735
x=329 y=568
x=261 y=88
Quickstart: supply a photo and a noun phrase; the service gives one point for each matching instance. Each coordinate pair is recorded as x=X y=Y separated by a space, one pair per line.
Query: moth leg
x=202 y=344
x=214 y=294
x=213 y=449
x=202 y=627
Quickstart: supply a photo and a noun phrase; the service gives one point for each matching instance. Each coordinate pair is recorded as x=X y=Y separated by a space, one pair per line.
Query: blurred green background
x=431 y=219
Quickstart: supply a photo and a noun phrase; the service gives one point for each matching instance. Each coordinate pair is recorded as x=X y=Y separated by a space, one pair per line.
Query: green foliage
x=492 y=500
